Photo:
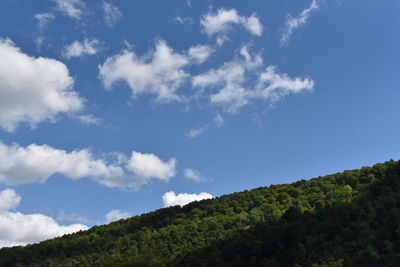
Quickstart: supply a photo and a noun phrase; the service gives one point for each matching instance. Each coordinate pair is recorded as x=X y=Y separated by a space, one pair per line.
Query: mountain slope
x=346 y=219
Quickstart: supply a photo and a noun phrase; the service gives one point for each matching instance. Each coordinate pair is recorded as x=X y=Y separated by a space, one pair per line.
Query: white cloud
x=198 y=131
x=88 y=119
x=112 y=14
x=9 y=200
x=200 y=53
x=219 y=120
x=148 y=166
x=36 y=163
x=20 y=229
x=253 y=25
x=139 y=169
x=220 y=24
x=281 y=85
x=71 y=8
x=293 y=23
x=183 y=20
x=39 y=40
x=234 y=83
x=192 y=174
x=115 y=215
x=160 y=73
x=71 y=217
x=33 y=90
x=230 y=80
x=77 y=49
x=171 y=199
x=44 y=19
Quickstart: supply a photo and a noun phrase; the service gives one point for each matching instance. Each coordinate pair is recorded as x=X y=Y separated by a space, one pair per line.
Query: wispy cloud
x=274 y=86
x=71 y=8
x=77 y=49
x=220 y=23
x=72 y=217
x=183 y=20
x=229 y=80
x=88 y=119
x=233 y=85
x=293 y=23
x=43 y=19
x=112 y=14
x=198 y=131
x=237 y=83
x=217 y=121
x=192 y=174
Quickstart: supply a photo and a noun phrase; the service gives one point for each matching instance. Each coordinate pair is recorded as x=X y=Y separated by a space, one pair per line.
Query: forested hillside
x=346 y=219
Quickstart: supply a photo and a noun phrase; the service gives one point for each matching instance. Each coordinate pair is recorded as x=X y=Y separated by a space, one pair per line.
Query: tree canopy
x=345 y=219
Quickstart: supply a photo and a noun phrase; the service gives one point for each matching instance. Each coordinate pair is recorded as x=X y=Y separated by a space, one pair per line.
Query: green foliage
x=346 y=219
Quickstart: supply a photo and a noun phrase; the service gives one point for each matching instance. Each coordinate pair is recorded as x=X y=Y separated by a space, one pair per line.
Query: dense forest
x=346 y=219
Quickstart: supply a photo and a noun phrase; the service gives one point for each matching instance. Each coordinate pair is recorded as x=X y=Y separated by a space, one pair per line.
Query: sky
x=111 y=109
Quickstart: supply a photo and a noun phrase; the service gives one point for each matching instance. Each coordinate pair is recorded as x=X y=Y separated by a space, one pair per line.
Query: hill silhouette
x=345 y=219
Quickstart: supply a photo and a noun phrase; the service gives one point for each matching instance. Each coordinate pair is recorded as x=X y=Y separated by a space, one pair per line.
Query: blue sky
x=110 y=109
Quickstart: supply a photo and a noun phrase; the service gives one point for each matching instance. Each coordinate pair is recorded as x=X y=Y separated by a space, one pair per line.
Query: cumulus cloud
x=71 y=8
x=238 y=82
x=32 y=89
x=160 y=73
x=9 y=200
x=77 y=49
x=148 y=166
x=221 y=23
x=112 y=14
x=171 y=199
x=43 y=19
x=293 y=23
x=21 y=229
x=193 y=175
x=36 y=163
x=200 y=53
x=115 y=215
